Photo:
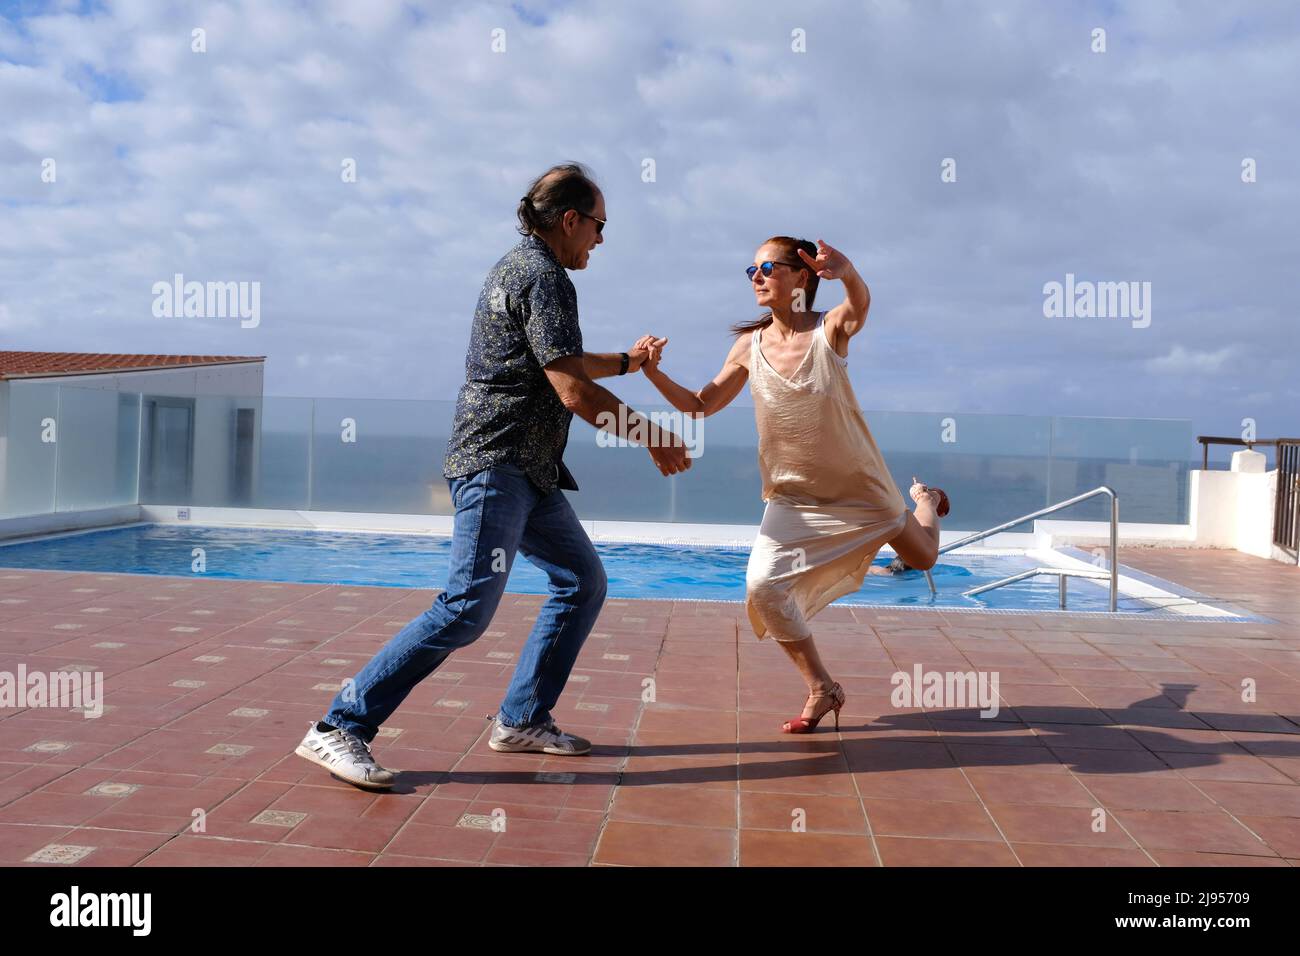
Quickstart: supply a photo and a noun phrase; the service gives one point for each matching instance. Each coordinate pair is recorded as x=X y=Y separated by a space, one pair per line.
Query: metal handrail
x=1050 y=509
x=1207 y=440
x=1062 y=574
x=1297 y=522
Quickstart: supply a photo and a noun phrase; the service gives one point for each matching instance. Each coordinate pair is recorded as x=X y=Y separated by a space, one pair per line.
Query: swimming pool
x=655 y=571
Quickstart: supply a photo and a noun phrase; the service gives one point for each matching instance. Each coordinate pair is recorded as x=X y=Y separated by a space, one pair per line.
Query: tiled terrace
x=210 y=684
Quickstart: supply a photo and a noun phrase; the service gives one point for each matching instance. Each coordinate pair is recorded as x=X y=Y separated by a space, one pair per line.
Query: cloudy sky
x=1117 y=166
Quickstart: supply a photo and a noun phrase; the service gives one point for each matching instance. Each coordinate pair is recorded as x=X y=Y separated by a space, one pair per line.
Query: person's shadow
x=1137 y=742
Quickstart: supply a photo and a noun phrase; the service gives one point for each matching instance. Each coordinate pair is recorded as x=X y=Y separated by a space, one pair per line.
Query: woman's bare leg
x=805 y=657
x=918 y=543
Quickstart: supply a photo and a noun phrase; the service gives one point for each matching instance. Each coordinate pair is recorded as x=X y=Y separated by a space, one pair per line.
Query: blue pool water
x=634 y=570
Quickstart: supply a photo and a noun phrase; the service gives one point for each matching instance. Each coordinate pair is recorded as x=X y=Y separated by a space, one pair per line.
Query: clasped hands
x=646 y=353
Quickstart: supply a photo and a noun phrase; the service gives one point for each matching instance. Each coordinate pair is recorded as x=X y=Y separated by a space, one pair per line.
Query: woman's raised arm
x=848 y=318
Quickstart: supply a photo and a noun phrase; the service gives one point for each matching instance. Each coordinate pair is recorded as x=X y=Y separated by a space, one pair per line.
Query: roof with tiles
x=33 y=364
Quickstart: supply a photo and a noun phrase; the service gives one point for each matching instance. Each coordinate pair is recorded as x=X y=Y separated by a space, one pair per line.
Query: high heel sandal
x=806 y=725
x=944 y=505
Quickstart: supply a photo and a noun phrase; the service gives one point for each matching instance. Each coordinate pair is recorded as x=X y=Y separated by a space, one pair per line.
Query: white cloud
x=1181 y=361
x=225 y=165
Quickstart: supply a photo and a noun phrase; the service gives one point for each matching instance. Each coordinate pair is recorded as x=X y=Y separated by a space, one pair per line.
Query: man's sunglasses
x=766 y=268
x=600 y=223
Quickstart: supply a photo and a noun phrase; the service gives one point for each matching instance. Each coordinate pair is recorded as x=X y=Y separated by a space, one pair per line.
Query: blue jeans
x=498 y=512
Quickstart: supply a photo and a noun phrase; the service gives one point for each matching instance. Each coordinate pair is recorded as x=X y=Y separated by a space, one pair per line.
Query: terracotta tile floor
x=1119 y=742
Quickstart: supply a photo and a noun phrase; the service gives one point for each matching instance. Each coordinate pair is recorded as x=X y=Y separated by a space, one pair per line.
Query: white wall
x=1213 y=508
x=244 y=379
x=219 y=389
x=4 y=438
x=1234 y=509
x=67 y=521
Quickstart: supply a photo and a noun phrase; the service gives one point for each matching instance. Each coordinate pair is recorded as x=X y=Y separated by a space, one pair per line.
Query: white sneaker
x=345 y=755
x=544 y=738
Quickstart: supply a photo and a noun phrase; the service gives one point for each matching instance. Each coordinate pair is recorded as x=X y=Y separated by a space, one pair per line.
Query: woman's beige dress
x=831 y=503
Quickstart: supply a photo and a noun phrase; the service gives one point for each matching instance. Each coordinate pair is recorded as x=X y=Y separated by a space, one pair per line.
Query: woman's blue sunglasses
x=766 y=267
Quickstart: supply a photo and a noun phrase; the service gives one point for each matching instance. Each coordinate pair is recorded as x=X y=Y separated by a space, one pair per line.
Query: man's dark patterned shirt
x=508 y=411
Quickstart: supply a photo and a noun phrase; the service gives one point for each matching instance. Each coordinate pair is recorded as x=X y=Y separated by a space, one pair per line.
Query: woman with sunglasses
x=830 y=501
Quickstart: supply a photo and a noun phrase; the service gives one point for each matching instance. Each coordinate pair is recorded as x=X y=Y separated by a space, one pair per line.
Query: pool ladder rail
x=1061 y=573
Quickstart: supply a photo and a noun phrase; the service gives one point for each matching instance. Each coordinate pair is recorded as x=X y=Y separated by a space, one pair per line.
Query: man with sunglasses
x=526 y=376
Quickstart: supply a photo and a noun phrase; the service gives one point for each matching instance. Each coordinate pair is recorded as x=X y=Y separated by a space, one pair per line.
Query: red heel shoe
x=943 y=505
x=806 y=725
